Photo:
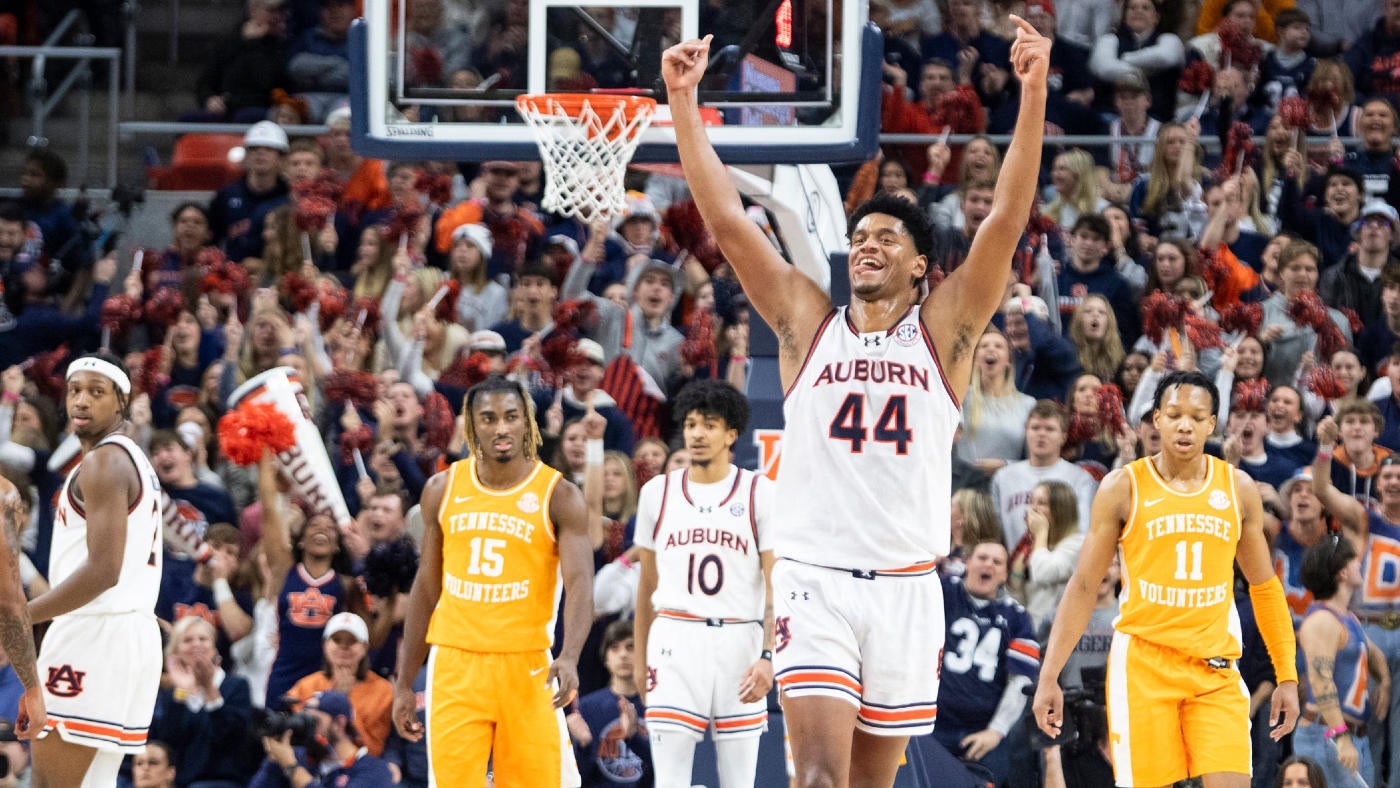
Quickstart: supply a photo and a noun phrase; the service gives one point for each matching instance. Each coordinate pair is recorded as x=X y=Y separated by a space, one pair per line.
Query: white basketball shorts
x=693 y=676
x=101 y=674
x=875 y=641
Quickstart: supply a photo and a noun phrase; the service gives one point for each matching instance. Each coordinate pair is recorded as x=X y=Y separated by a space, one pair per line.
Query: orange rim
x=573 y=103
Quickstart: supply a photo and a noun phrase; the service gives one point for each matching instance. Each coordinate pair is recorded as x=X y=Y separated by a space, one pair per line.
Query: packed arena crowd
x=391 y=288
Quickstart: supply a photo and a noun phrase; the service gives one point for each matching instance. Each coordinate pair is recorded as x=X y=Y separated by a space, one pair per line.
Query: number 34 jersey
x=707 y=538
x=500 y=564
x=865 y=476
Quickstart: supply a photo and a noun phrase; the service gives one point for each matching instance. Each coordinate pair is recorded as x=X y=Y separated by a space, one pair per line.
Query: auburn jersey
x=707 y=539
x=865 y=480
x=138 y=586
x=1178 y=562
x=500 y=564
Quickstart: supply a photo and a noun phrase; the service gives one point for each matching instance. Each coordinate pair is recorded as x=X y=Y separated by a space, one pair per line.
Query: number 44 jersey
x=865 y=478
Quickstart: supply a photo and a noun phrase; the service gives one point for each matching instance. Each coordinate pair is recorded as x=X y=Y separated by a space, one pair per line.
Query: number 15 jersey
x=500 y=564
x=865 y=477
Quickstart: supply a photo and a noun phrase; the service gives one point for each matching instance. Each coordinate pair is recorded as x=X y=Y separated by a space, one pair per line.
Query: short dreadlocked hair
x=499 y=384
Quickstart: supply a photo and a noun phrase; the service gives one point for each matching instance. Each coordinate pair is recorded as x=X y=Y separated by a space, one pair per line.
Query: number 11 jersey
x=865 y=477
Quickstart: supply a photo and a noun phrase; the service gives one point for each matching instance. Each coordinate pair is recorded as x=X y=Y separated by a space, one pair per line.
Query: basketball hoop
x=586 y=141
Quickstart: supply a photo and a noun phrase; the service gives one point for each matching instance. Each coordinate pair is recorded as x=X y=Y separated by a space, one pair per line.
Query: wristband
x=766 y=654
x=593 y=451
x=1324 y=453
x=222 y=592
x=10 y=397
x=1333 y=733
x=289 y=771
x=931 y=179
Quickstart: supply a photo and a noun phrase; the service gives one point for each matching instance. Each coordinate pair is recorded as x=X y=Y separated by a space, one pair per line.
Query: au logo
x=65 y=682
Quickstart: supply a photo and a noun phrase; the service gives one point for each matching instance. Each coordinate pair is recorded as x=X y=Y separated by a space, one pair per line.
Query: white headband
x=104 y=368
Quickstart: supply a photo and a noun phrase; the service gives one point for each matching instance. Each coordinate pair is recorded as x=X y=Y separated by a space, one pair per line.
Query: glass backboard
x=790 y=81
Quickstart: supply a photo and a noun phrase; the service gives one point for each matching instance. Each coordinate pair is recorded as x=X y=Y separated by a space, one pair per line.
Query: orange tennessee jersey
x=500 y=564
x=1178 y=562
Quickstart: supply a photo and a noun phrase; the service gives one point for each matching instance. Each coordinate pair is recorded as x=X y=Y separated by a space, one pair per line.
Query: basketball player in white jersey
x=871 y=409
x=704 y=618
x=101 y=658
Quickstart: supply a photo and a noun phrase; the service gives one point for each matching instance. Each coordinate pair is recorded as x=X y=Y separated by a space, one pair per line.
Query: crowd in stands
x=1272 y=268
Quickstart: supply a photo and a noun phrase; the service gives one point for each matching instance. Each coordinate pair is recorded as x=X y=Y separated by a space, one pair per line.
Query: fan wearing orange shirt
x=1177 y=707
x=499 y=529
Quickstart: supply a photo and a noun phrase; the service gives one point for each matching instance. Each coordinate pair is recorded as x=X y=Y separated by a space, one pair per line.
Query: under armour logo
x=665 y=652
x=705 y=509
x=805 y=595
x=871 y=341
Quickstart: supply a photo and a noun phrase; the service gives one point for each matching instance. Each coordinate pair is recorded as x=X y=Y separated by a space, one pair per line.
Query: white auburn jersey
x=139 y=584
x=707 y=538
x=866 y=471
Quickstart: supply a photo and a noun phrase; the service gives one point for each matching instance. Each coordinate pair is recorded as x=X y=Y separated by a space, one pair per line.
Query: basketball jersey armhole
x=753 y=508
x=1234 y=494
x=548 y=502
x=937 y=362
x=811 y=350
x=661 y=513
x=446 y=493
x=130 y=450
x=1133 y=496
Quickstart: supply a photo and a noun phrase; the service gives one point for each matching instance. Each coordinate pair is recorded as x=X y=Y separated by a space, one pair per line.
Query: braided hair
x=499 y=384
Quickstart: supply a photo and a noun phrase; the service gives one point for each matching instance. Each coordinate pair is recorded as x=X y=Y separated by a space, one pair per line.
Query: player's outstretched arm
x=782 y=294
x=422 y=598
x=1110 y=511
x=16 y=632
x=109 y=485
x=567 y=510
x=1270 y=606
x=974 y=291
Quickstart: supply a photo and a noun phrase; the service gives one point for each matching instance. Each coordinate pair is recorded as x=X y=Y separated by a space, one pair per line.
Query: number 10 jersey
x=865 y=477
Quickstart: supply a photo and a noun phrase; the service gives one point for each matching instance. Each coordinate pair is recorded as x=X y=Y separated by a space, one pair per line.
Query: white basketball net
x=585 y=156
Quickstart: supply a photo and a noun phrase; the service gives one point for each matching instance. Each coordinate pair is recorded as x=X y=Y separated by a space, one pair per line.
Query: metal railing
x=43 y=101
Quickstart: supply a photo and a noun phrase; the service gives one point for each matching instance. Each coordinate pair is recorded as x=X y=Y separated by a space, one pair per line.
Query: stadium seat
x=200 y=162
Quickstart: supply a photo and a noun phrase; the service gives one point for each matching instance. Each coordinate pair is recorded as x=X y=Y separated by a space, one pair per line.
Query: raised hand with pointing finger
x=1030 y=54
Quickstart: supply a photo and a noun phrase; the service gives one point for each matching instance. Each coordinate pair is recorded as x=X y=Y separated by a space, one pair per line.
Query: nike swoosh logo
x=537 y=671
x=1153 y=502
x=461 y=498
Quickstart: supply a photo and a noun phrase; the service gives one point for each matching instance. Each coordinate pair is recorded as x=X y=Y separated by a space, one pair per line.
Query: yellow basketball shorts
x=1172 y=715
x=491 y=707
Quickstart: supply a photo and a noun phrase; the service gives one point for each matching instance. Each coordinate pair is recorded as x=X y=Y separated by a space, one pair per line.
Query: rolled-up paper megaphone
x=305 y=465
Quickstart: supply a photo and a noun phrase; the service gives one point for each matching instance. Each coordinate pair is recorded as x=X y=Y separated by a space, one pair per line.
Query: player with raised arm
x=101 y=657
x=871 y=410
x=1177 y=706
x=704 y=602
x=499 y=528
